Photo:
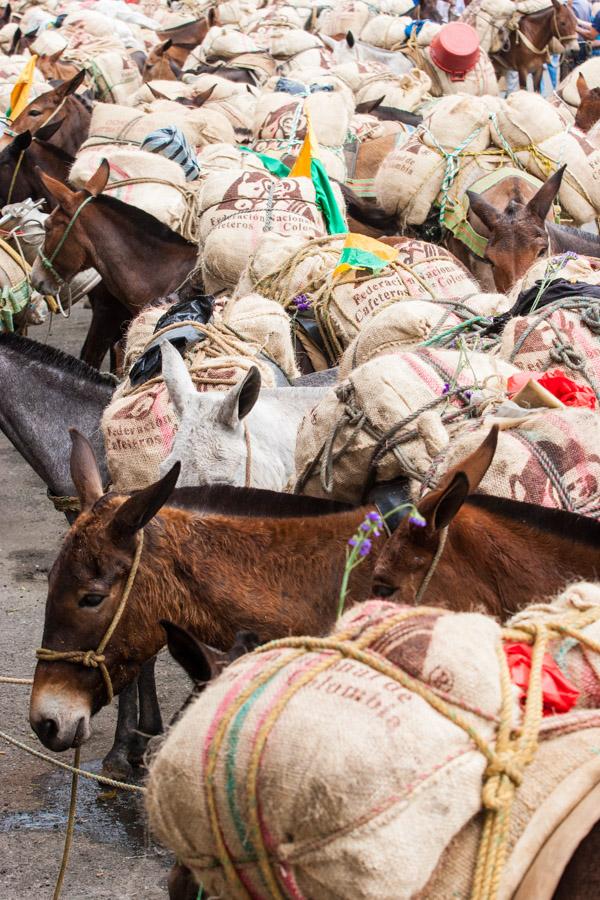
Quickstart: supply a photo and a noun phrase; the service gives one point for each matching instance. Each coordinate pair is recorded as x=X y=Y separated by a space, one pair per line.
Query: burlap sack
x=339 y=448
x=152 y=183
x=579 y=193
x=338 y=823
x=227 y=42
x=112 y=122
x=344 y=16
x=235 y=12
x=221 y=157
x=565 y=335
x=567 y=89
x=115 y=76
x=578 y=268
x=206 y=125
x=453 y=121
x=405 y=91
x=171 y=90
x=238 y=207
x=281 y=115
x=404 y=326
x=139 y=424
x=525 y=118
x=283 y=40
x=409 y=180
x=551 y=458
x=387 y=32
x=234 y=101
x=481 y=81
x=489 y=18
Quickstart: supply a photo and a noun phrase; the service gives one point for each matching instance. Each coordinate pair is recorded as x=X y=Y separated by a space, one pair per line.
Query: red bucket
x=455 y=49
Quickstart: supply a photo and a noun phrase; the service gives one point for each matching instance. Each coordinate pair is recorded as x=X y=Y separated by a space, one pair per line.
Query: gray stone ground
x=112 y=856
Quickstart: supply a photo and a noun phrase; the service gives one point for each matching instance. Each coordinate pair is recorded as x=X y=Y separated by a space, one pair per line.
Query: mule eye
x=383 y=590
x=542 y=252
x=35 y=112
x=91 y=599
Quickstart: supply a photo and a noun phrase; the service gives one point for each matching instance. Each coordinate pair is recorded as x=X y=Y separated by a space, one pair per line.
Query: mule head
x=76 y=252
x=565 y=26
x=85 y=587
x=210 y=442
x=517 y=235
x=588 y=111
x=36 y=113
x=409 y=553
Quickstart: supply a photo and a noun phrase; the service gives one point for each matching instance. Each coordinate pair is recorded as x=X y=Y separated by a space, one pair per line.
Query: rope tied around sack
x=507 y=757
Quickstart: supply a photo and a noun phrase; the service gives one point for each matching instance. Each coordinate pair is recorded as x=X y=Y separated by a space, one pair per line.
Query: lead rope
x=14 y=177
x=48 y=262
x=93 y=660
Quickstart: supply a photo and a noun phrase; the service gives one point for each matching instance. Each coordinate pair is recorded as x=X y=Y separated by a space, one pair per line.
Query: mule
x=511 y=218
x=23 y=160
x=159 y=64
x=62 y=101
x=588 y=111
x=484 y=553
x=229 y=437
x=214 y=560
x=527 y=45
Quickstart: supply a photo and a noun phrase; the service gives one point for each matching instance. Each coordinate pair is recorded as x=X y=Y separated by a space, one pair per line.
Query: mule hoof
x=116 y=765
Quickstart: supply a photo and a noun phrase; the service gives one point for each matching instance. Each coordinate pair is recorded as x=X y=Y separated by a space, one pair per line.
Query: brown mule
x=274 y=567
x=588 y=111
x=512 y=216
x=491 y=554
x=22 y=160
x=60 y=103
x=165 y=61
x=527 y=46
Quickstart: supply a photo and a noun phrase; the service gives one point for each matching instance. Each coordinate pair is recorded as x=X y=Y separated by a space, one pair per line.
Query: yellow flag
x=308 y=151
x=362 y=252
x=19 y=97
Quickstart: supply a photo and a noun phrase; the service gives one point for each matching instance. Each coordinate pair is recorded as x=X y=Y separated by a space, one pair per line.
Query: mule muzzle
x=60 y=720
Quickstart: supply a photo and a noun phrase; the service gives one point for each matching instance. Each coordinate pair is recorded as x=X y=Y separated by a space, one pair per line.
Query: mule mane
x=224 y=499
x=138 y=218
x=559 y=522
x=54 y=359
x=57 y=151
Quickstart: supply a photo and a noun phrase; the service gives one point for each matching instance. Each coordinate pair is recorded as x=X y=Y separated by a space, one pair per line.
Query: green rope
x=452 y=166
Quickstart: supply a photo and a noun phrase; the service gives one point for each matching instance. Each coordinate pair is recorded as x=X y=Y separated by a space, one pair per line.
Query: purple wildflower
x=468 y=394
x=365 y=547
x=301 y=302
x=352 y=542
x=446 y=388
x=417 y=519
x=375 y=518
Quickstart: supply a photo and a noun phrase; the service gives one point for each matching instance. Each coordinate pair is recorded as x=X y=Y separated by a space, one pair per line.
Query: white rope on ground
x=102 y=779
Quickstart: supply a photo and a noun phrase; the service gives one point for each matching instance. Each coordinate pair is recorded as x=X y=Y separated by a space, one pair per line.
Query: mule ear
x=13 y=45
x=45 y=132
x=61 y=193
x=99 y=179
x=557 y=4
x=84 y=470
x=54 y=57
x=582 y=86
x=540 y=203
x=211 y=17
x=240 y=399
x=202 y=98
x=176 y=377
x=440 y=506
x=143 y=505
x=195 y=658
x=164 y=47
x=70 y=86
x=488 y=214
x=350 y=40
x=6 y=14
x=155 y=93
x=21 y=142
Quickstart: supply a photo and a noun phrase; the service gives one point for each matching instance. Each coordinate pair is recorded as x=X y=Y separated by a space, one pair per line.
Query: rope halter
x=48 y=262
x=95 y=659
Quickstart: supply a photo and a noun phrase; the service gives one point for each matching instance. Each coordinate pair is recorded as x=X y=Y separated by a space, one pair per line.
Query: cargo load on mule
x=252 y=794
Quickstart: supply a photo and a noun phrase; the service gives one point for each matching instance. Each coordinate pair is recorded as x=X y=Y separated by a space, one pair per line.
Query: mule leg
x=537 y=79
x=115 y=762
x=181 y=884
x=523 y=79
x=109 y=318
x=150 y=721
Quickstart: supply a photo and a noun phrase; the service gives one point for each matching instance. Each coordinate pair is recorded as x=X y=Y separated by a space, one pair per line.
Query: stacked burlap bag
x=227 y=42
x=146 y=180
x=391 y=417
x=407 y=91
x=538 y=134
x=406 y=686
x=410 y=179
x=564 y=334
x=235 y=101
x=550 y=458
x=405 y=326
x=490 y=19
x=387 y=32
x=342 y=304
x=238 y=207
x=112 y=123
x=139 y=423
x=280 y=114
x=353 y=15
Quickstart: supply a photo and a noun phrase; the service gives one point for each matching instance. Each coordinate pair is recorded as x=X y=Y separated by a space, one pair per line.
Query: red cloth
x=558 y=694
x=564 y=388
